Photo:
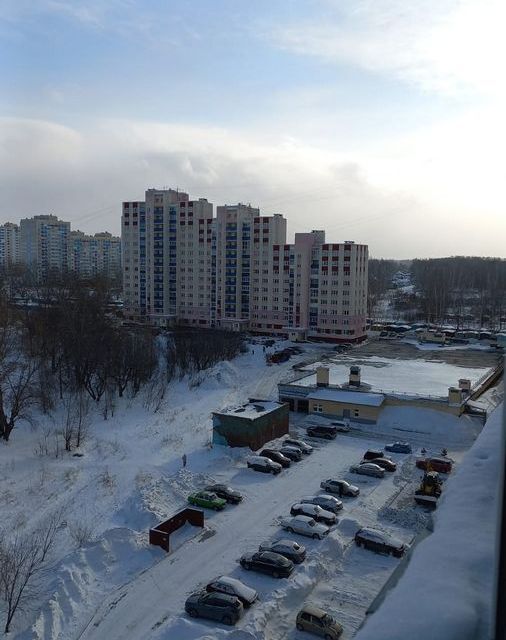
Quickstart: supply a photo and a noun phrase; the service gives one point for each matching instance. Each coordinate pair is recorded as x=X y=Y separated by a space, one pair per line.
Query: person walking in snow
x=184 y=460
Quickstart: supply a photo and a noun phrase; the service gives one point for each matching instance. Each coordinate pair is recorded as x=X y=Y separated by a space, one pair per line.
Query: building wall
x=44 y=244
x=9 y=244
x=93 y=255
x=358 y=413
x=253 y=433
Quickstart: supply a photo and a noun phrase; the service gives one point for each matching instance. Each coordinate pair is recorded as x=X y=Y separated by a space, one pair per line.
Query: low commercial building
x=250 y=425
x=355 y=406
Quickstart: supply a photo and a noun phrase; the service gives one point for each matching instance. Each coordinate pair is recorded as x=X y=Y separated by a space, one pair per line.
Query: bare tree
x=22 y=560
x=18 y=392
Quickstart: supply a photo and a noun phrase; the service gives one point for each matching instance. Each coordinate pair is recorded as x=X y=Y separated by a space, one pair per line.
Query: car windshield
x=311 y=523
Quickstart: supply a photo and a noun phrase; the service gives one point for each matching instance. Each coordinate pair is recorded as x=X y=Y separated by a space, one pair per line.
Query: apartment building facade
x=9 y=244
x=91 y=255
x=44 y=244
x=236 y=271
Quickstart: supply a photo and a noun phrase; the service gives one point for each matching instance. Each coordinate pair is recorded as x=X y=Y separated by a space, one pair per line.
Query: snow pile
x=447 y=589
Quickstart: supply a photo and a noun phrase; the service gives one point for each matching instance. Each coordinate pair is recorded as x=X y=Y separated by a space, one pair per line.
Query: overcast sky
x=380 y=121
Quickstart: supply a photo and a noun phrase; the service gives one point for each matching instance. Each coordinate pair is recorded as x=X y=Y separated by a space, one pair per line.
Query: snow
x=251 y=410
x=131 y=477
x=353 y=397
x=417 y=377
x=457 y=562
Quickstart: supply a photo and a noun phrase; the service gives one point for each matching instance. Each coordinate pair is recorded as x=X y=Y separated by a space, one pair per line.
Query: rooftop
x=351 y=397
x=251 y=410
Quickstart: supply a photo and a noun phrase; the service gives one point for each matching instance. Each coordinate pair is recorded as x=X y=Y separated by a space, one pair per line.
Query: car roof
x=222 y=596
x=313 y=611
x=239 y=586
x=303 y=518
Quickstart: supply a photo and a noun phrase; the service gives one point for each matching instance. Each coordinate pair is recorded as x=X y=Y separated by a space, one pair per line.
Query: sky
x=380 y=121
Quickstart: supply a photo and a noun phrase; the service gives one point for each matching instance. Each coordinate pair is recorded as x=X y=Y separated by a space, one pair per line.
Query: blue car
x=399 y=447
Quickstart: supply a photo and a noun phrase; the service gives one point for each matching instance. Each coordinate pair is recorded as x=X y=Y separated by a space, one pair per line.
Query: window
x=318 y=408
x=356 y=413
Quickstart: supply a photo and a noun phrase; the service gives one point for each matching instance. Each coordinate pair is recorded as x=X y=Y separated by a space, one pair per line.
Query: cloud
x=83 y=176
x=446 y=46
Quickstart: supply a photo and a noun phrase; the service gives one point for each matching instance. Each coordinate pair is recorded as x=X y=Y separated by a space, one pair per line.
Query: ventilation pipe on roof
x=354 y=380
x=322 y=377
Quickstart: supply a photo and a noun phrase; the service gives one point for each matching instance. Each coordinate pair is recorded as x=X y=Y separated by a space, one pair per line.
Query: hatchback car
x=303 y=446
x=441 y=465
x=274 y=564
x=370 y=454
x=215 y=606
x=313 y=511
x=398 y=447
x=233 y=587
x=292 y=453
x=318 y=622
x=325 y=501
x=207 y=499
x=368 y=469
x=325 y=431
x=305 y=526
x=384 y=463
x=289 y=548
x=340 y=487
x=222 y=491
x=276 y=456
x=379 y=542
x=264 y=465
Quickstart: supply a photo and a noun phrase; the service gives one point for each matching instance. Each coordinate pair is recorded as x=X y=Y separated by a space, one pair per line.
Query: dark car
x=398 y=447
x=222 y=491
x=275 y=456
x=274 y=564
x=379 y=542
x=384 y=463
x=289 y=548
x=441 y=465
x=314 y=511
x=233 y=587
x=370 y=454
x=292 y=453
x=300 y=444
x=325 y=431
x=215 y=606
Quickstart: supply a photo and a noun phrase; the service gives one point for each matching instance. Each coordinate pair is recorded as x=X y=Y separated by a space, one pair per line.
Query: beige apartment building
x=44 y=244
x=236 y=271
x=93 y=255
x=9 y=244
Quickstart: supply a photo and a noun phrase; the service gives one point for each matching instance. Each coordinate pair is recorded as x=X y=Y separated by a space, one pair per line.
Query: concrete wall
x=332 y=409
x=235 y=431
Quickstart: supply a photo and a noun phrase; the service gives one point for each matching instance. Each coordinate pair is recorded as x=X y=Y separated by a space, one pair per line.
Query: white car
x=285 y=547
x=233 y=587
x=341 y=426
x=325 y=501
x=263 y=464
x=305 y=526
x=313 y=511
x=368 y=469
x=300 y=444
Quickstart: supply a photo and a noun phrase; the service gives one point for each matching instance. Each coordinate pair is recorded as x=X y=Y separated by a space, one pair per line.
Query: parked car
x=368 y=469
x=292 y=453
x=325 y=501
x=274 y=564
x=341 y=426
x=276 y=456
x=379 y=542
x=436 y=464
x=222 y=491
x=326 y=431
x=216 y=606
x=318 y=622
x=398 y=447
x=313 y=511
x=303 y=446
x=384 y=463
x=264 y=465
x=207 y=499
x=305 y=526
x=341 y=487
x=285 y=547
x=233 y=587
x=370 y=454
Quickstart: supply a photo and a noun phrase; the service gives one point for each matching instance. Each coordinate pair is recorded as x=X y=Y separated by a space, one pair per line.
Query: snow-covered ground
x=397 y=376
x=130 y=477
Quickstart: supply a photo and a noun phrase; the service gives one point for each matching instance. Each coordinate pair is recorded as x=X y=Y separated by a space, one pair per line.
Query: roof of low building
x=348 y=397
x=251 y=410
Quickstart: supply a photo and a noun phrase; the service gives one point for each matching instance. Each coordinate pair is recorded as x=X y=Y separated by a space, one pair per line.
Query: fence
x=160 y=535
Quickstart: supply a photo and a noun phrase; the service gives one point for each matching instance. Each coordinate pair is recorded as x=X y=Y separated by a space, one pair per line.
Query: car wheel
x=290 y=530
x=247 y=566
x=358 y=543
x=316 y=536
x=328 y=637
x=299 y=626
x=193 y=613
x=227 y=620
x=275 y=574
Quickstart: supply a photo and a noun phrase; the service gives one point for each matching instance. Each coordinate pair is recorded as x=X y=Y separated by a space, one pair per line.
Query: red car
x=436 y=464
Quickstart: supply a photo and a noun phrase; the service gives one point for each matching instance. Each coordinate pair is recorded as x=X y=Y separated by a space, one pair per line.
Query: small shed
x=251 y=424
x=354 y=405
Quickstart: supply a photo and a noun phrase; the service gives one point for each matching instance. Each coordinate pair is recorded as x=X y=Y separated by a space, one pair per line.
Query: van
x=318 y=622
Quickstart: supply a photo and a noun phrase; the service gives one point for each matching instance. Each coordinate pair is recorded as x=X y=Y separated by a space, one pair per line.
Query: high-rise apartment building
x=44 y=244
x=93 y=255
x=9 y=244
x=182 y=266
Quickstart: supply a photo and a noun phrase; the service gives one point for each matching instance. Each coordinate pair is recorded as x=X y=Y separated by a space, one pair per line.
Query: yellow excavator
x=430 y=489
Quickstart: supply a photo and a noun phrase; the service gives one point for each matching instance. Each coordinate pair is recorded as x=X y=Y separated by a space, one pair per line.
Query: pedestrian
x=184 y=460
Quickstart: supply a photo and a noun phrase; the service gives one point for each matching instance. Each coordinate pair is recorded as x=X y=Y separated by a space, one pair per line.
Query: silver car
x=305 y=526
x=325 y=501
x=368 y=469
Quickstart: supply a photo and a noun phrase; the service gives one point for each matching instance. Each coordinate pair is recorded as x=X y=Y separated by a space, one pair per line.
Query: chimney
x=465 y=386
x=322 y=377
x=454 y=395
x=354 y=376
